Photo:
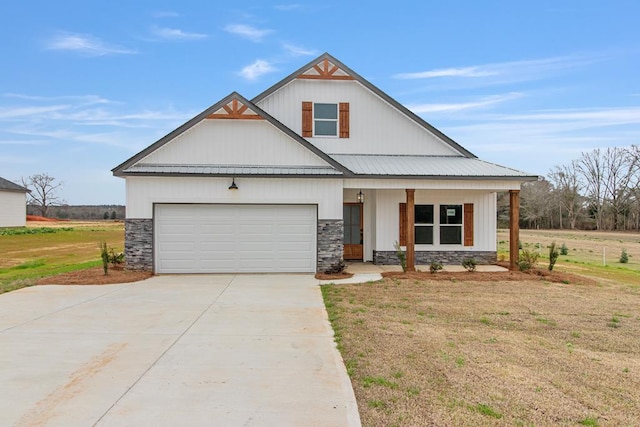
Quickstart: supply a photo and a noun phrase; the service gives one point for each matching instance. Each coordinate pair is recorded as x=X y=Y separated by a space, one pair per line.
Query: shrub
x=527 y=260
x=624 y=257
x=104 y=254
x=401 y=256
x=469 y=264
x=564 y=250
x=553 y=255
x=435 y=267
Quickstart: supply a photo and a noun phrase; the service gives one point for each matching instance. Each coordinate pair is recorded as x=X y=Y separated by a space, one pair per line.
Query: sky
x=84 y=85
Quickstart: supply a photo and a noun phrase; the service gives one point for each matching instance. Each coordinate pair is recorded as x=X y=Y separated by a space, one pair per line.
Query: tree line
x=598 y=191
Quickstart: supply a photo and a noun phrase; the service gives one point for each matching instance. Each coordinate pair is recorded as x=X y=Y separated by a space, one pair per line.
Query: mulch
x=95 y=276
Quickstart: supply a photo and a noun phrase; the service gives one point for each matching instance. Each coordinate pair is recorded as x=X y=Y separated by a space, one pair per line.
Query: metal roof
x=231 y=170
x=6 y=185
x=434 y=167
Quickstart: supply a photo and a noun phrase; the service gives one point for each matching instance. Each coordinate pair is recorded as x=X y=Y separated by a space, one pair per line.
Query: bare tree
x=592 y=168
x=567 y=188
x=620 y=172
x=535 y=206
x=44 y=191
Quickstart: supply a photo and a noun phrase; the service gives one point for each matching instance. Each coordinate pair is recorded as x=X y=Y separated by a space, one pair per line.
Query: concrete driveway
x=197 y=350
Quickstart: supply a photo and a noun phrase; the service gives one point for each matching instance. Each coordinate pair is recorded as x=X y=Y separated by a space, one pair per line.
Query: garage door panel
x=235 y=238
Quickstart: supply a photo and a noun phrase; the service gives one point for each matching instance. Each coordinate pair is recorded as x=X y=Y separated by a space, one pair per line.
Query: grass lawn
x=48 y=249
x=470 y=353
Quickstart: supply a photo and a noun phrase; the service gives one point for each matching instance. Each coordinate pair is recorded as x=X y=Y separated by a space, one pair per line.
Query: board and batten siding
x=234 y=142
x=484 y=221
x=375 y=126
x=13 y=209
x=143 y=192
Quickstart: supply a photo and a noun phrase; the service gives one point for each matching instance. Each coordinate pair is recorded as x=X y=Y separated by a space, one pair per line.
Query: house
x=320 y=167
x=13 y=204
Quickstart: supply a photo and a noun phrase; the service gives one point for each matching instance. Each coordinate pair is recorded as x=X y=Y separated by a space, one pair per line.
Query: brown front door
x=352 y=231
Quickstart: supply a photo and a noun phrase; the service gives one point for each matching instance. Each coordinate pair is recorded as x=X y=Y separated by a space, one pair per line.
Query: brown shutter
x=403 y=225
x=307 y=119
x=344 y=120
x=468 y=224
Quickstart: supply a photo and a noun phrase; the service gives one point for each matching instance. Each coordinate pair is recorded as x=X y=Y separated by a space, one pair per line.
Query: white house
x=319 y=167
x=13 y=204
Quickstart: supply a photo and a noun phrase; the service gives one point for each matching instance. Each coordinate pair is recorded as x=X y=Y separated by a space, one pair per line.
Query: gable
x=234 y=137
x=377 y=123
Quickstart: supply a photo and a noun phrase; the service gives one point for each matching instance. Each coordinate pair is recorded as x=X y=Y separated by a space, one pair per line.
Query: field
x=49 y=248
x=466 y=352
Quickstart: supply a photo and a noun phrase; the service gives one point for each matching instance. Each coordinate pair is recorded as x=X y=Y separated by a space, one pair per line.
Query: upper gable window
x=325 y=119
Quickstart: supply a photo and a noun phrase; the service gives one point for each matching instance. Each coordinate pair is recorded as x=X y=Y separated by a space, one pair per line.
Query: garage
x=208 y=238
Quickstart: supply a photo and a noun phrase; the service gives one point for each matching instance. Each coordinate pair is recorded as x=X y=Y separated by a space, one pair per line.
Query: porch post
x=514 y=228
x=411 y=250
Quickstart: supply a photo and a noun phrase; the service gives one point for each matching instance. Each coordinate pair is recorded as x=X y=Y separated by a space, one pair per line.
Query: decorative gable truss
x=235 y=110
x=325 y=70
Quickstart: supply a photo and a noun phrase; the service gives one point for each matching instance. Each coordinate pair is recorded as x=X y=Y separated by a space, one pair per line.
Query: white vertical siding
x=13 y=209
x=143 y=192
x=234 y=142
x=376 y=127
x=484 y=217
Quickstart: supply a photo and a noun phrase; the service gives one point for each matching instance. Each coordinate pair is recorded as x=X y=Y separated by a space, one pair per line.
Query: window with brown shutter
x=307 y=119
x=344 y=120
x=468 y=224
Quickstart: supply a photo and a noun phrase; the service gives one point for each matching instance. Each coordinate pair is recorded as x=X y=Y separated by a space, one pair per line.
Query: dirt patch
x=37 y=218
x=335 y=276
x=95 y=276
x=495 y=276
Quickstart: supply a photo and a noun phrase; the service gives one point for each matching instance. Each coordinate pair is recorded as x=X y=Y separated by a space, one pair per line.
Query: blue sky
x=86 y=84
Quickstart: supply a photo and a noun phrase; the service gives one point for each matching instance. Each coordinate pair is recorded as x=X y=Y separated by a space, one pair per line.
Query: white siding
x=234 y=142
x=376 y=127
x=13 y=209
x=484 y=217
x=143 y=192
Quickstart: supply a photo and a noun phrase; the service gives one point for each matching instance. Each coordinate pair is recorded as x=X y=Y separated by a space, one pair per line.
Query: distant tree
x=567 y=187
x=44 y=192
x=535 y=206
x=106 y=215
x=113 y=214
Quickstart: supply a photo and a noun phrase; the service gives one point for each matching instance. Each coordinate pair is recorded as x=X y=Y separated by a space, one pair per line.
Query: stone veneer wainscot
x=138 y=244
x=330 y=246
x=445 y=257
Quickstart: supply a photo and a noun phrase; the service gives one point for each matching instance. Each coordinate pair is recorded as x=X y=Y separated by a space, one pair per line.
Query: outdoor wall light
x=360 y=197
x=233 y=185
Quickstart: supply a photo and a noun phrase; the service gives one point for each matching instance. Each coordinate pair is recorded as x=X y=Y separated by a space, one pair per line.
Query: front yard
x=469 y=353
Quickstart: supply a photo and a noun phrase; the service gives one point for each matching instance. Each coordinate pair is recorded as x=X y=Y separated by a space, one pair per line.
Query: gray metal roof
x=434 y=167
x=231 y=170
x=6 y=185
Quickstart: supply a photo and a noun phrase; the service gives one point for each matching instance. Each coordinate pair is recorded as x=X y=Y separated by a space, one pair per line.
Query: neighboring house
x=13 y=204
x=321 y=166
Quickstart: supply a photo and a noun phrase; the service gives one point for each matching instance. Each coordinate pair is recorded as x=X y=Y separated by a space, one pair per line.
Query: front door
x=353 y=231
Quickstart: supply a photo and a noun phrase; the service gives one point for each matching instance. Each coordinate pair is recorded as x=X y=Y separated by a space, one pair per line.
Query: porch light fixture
x=233 y=185
x=360 y=197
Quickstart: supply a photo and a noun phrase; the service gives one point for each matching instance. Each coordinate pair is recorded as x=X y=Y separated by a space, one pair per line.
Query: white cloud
x=257 y=69
x=176 y=34
x=17 y=112
x=508 y=72
x=247 y=32
x=298 y=50
x=482 y=103
x=85 y=44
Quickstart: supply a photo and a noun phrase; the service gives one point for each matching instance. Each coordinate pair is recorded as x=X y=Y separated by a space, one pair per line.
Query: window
x=450 y=224
x=325 y=119
x=424 y=224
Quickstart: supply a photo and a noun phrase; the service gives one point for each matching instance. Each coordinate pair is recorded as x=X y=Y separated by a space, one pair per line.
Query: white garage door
x=235 y=238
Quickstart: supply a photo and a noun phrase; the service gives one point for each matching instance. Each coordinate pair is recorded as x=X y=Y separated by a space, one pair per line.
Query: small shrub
x=564 y=250
x=553 y=255
x=469 y=264
x=624 y=257
x=435 y=267
x=401 y=256
x=104 y=254
x=527 y=260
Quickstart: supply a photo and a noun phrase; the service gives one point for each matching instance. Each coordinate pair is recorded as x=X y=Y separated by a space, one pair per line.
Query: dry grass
x=471 y=353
